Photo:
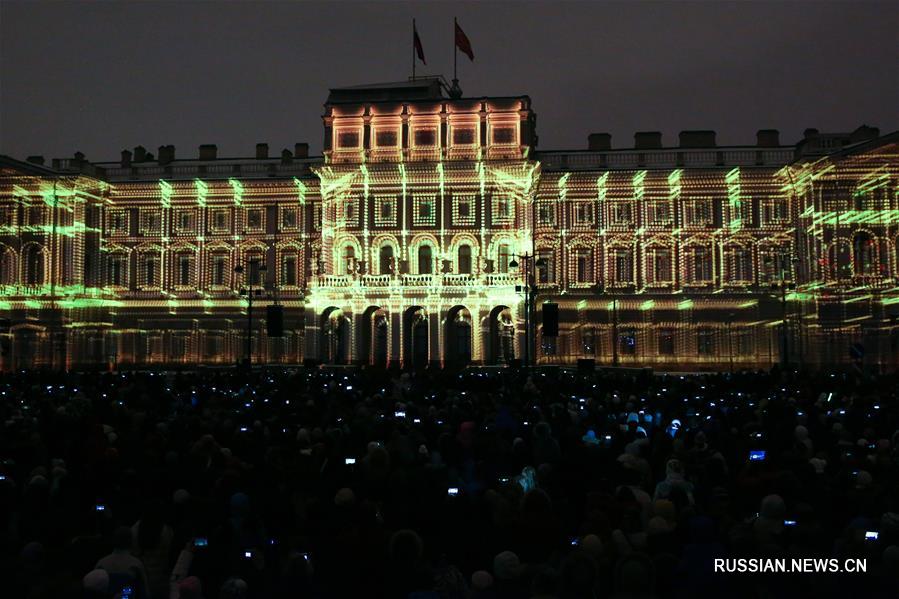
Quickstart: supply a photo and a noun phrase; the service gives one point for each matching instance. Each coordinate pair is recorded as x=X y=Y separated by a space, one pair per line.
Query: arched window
x=465 y=259
x=865 y=254
x=7 y=267
x=349 y=259
x=385 y=259
x=34 y=265
x=502 y=258
x=425 y=260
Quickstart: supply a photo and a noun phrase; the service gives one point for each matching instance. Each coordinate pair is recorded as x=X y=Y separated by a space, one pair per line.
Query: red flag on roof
x=463 y=44
x=419 y=51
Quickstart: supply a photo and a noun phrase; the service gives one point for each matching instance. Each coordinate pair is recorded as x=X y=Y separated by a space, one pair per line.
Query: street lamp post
x=249 y=293
x=600 y=291
x=782 y=261
x=530 y=295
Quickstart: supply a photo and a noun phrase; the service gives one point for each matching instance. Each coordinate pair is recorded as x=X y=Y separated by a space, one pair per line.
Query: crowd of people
x=486 y=483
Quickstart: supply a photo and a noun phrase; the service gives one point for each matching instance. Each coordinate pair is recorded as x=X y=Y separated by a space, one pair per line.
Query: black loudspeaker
x=274 y=320
x=550 y=319
x=586 y=364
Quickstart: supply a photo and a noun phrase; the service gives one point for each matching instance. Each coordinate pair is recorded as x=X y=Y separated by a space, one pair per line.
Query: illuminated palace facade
x=410 y=240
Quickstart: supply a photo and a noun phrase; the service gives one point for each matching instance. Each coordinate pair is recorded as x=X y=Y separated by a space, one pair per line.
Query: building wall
x=679 y=259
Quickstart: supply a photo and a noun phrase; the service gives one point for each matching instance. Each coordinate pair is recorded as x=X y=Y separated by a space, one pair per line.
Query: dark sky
x=102 y=76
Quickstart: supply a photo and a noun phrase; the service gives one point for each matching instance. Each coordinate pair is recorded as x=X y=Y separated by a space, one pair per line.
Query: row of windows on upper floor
x=734 y=264
x=693 y=265
x=697 y=212
x=151 y=221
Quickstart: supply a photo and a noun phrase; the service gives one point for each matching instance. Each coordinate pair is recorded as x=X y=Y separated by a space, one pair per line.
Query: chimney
x=261 y=151
x=208 y=151
x=35 y=160
x=809 y=133
x=599 y=141
x=286 y=156
x=767 y=138
x=140 y=154
x=697 y=139
x=301 y=150
x=166 y=154
x=864 y=133
x=126 y=159
x=647 y=140
x=79 y=157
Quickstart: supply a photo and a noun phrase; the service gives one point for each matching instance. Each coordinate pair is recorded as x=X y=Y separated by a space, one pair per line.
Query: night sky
x=99 y=77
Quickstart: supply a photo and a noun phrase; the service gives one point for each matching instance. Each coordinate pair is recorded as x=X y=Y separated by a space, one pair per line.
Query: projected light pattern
x=397 y=248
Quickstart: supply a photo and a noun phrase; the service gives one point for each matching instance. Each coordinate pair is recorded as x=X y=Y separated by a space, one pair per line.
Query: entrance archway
x=335 y=342
x=415 y=337
x=501 y=335
x=457 y=352
x=373 y=347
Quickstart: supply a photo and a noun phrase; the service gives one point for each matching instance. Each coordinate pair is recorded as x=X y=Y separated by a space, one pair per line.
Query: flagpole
x=455 y=48
x=413 y=49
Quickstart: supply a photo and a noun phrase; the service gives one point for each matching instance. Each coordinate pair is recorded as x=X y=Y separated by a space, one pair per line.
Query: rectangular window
x=219 y=266
x=220 y=220
x=385 y=216
x=385 y=139
x=347 y=139
x=185 y=221
x=503 y=210
x=463 y=136
x=705 y=342
x=621 y=214
x=289 y=270
x=118 y=222
x=289 y=218
x=545 y=214
x=744 y=342
x=349 y=212
x=150 y=269
x=627 y=343
x=184 y=270
x=424 y=210
x=463 y=210
x=151 y=222
x=36 y=215
x=666 y=342
x=583 y=265
x=504 y=135
x=255 y=219
x=425 y=137
x=698 y=213
x=117 y=270
x=583 y=213
x=545 y=266
x=658 y=213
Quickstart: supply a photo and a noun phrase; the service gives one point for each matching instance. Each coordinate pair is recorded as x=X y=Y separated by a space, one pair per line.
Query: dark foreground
x=486 y=484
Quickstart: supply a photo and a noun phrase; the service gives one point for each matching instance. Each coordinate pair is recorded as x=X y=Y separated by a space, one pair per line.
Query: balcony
x=376 y=280
x=457 y=280
x=418 y=280
x=502 y=279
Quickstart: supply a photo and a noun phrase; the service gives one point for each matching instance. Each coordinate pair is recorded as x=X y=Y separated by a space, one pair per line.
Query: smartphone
x=452 y=491
x=248 y=554
x=789 y=523
x=201 y=542
x=871 y=535
x=416 y=421
x=2 y=477
x=305 y=556
x=243 y=429
x=399 y=414
x=503 y=479
x=574 y=542
x=757 y=456
x=127 y=593
x=100 y=507
x=349 y=461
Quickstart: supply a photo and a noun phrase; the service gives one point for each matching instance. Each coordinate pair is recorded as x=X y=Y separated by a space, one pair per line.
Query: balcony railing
x=418 y=280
